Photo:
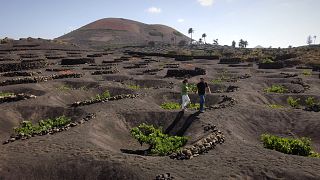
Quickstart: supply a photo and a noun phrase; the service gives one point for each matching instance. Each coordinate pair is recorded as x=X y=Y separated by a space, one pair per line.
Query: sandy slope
x=93 y=150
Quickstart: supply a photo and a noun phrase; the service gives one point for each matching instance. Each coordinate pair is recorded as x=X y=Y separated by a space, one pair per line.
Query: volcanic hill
x=122 y=32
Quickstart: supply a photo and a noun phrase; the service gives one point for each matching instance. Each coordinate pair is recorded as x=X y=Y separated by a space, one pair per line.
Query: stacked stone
x=300 y=82
x=225 y=103
x=62 y=76
x=105 y=72
x=230 y=61
x=23 y=65
x=185 y=72
x=94 y=55
x=152 y=70
x=29 y=56
x=202 y=146
x=37 y=79
x=232 y=88
x=19 y=73
x=289 y=75
x=49 y=56
x=272 y=65
x=212 y=57
x=315 y=107
x=58 y=69
x=172 y=65
x=75 y=61
x=136 y=66
x=183 y=58
x=241 y=65
x=166 y=176
x=97 y=68
x=245 y=76
x=87 y=118
x=114 y=98
x=112 y=62
x=304 y=67
x=151 y=60
x=16 y=97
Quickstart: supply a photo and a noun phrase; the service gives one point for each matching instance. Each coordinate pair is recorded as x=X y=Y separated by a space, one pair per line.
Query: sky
x=276 y=23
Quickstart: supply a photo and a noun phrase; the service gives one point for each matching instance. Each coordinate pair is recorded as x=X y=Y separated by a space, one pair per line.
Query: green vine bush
x=293 y=102
x=177 y=106
x=26 y=128
x=160 y=143
x=105 y=94
x=5 y=94
x=298 y=146
x=276 y=89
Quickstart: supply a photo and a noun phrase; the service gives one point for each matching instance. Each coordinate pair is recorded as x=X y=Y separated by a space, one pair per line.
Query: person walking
x=202 y=88
x=184 y=94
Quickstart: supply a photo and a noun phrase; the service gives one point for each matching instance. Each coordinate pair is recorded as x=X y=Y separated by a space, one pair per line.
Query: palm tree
x=309 y=40
x=314 y=37
x=215 y=42
x=190 y=31
x=233 y=44
x=245 y=44
x=204 y=35
x=200 y=41
x=241 y=43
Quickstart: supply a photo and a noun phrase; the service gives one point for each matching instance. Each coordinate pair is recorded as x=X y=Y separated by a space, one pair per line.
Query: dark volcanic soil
x=95 y=150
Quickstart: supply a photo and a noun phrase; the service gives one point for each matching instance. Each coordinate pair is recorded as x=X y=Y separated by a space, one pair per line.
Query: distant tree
x=314 y=37
x=204 y=35
x=162 y=36
x=245 y=44
x=215 y=42
x=200 y=41
x=309 y=40
x=289 y=46
x=241 y=43
x=191 y=31
x=233 y=44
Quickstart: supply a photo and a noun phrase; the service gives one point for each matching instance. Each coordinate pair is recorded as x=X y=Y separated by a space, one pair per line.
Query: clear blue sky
x=260 y=22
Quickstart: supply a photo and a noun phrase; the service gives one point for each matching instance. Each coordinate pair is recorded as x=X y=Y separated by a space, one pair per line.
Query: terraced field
x=107 y=93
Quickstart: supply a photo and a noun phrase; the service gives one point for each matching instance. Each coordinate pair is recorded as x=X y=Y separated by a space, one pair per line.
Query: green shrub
x=275 y=106
x=267 y=61
x=67 y=88
x=276 y=89
x=170 y=106
x=134 y=87
x=193 y=88
x=27 y=128
x=293 y=102
x=307 y=72
x=176 y=106
x=310 y=101
x=5 y=94
x=195 y=106
x=160 y=144
x=105 y=94
x=217 y=81
x=301 y=147
x=64 y=88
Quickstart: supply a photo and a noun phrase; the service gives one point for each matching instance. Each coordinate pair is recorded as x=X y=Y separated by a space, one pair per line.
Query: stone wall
x=185 y=72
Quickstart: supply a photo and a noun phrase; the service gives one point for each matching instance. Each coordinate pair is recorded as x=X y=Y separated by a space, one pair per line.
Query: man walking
x=202 y=88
